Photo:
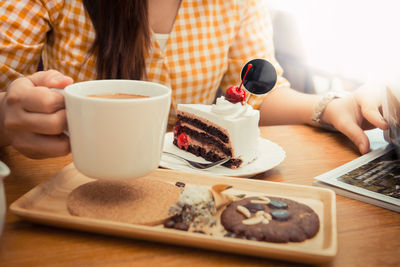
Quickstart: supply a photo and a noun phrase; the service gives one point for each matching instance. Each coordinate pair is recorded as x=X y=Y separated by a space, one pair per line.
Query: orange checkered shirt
x=209 y=44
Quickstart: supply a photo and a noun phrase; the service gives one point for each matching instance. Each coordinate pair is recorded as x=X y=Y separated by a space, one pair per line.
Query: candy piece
x=275 y=204
x=254 y=207
x=280 y=215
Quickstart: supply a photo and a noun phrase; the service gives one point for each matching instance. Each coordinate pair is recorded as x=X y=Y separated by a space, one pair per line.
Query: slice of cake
x=217 y=131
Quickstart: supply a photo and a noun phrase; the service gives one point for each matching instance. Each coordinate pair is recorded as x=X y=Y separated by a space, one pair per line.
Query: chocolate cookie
x=270 y=219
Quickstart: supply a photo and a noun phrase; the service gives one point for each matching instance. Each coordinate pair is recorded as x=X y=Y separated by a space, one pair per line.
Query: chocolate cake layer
x=207 y=139
x=208 y=128
x=210 y=155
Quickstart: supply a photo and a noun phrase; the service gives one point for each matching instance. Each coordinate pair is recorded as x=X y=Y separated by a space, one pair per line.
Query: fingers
x=355 y=134
x=42 y=146
x=42 y=100
x=50 y=79
x=26 y=93
x=54 y=123
x=368 y=98
x=371 y=113
x=34 y=116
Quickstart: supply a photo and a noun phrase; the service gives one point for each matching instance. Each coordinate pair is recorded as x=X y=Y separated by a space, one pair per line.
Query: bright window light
x=355 y=39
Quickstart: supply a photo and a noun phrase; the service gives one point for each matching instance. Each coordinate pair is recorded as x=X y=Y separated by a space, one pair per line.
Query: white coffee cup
x=4 y=172
x=116 y=138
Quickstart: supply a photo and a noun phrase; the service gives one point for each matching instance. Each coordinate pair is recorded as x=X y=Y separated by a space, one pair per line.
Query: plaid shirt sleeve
x=24 y=25
x=253 y=40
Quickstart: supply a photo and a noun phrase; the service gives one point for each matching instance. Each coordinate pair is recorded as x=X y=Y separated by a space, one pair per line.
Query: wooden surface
x=367 y=235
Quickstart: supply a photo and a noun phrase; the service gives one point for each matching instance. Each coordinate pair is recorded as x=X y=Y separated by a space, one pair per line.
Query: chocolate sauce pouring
x=261 y=76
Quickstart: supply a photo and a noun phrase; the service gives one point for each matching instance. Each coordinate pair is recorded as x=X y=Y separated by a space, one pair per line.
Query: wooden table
x=367 y=235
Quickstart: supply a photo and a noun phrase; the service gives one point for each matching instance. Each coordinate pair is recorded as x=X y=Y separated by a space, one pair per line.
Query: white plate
x=269 y=155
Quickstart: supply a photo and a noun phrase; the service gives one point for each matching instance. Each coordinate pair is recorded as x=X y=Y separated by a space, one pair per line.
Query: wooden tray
x=46 y=203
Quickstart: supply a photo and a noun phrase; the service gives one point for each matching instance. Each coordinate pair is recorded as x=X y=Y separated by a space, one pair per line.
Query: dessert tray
x=46 y=204
x=269 y=156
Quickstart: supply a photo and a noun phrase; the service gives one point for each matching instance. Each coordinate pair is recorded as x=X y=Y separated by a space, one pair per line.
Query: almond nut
x=265 y=221
x=260 y=213
x=244 y=211
x=265 y=198
x=253 y=220
x=267 y=216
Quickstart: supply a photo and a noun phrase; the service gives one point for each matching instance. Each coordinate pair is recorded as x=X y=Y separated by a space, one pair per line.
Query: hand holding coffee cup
x=116 y=127
x=32 y=117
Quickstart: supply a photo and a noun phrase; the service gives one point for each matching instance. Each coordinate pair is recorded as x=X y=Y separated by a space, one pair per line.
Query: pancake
x=138 y=201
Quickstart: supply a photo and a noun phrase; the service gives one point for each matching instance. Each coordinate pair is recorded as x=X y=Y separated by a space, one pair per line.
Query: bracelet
x=320 y=108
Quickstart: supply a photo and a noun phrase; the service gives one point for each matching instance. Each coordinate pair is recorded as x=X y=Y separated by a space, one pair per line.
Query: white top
x=162 y=39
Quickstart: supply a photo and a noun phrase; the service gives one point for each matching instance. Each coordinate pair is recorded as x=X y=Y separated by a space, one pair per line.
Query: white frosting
x=240 y=121
x=229 y=110
x=195 y=196
x=202 y=207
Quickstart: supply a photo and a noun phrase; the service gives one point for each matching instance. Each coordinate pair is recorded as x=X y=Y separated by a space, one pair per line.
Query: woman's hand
x=355 y=113
x=33 y=117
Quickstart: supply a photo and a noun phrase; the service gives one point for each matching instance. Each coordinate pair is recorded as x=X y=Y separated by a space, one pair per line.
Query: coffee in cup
x=118 y=96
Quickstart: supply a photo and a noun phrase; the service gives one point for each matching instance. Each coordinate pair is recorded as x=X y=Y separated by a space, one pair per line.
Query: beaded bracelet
x=322 y=104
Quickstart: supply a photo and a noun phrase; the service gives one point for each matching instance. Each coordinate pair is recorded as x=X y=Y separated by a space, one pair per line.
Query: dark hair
x=122 y=37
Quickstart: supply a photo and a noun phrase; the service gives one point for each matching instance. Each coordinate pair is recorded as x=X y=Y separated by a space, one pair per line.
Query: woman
x=194 y=47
